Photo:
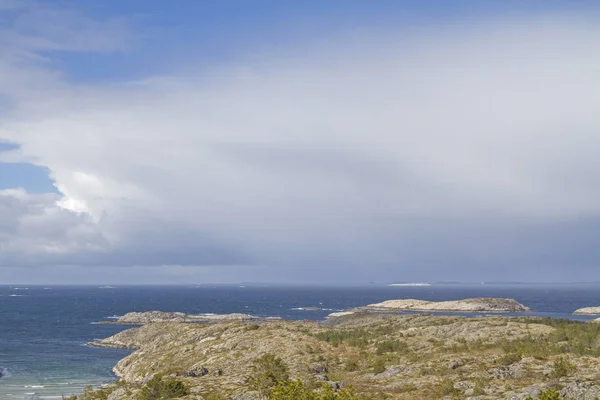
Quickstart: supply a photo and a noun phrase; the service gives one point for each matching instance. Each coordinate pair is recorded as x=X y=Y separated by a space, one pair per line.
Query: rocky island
x=358 y=356
x=587 y=311
x=148 y=317
x=479 y=304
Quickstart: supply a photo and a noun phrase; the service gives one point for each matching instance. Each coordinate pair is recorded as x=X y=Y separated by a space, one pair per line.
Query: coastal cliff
x=377 y=355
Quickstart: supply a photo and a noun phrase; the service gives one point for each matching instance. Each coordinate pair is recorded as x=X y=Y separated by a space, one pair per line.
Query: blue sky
x=235 y=140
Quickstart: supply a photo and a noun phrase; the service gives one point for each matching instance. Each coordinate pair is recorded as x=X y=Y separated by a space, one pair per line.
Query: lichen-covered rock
x=515 y=371
x=197 y=371
x=118 y=394
x=581 y=391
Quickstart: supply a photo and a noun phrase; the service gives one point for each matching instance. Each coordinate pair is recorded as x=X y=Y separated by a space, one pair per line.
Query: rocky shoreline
x=407 y=356
x=373 y=349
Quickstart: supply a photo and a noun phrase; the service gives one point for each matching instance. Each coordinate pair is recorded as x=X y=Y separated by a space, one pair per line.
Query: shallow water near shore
x=43 y=330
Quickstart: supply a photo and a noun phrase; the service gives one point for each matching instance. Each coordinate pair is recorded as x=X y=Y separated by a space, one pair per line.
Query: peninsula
x=357 y=356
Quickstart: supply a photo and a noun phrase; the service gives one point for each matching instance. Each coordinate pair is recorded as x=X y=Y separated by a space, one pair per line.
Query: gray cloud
x=34 y=231
x=468 y=153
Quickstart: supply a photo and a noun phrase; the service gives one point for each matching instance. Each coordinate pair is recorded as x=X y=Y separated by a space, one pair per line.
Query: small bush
x=509 y=359
x=157 y=389
x=296 y=390
x=379 y=366
x=392 y=346
x=269 y=371
x=549 y=394
x=355 y=337
x=445 y=388
x=352 y=365
x=561 y=368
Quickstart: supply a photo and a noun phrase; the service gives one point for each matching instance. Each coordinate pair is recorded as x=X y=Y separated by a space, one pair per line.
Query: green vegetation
x=568 y=337
x=297 y=390
x=159 y=389
x=378 y=365
x=269 y=371
x=561 y=368
x=392 y=346
x=383 y=357
x=90 y=394
x=549 y=394
x=510 y=358
x=445 y=388
x=356 y=337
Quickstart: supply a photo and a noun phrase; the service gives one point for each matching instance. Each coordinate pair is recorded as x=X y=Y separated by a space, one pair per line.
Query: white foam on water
x=5 y=373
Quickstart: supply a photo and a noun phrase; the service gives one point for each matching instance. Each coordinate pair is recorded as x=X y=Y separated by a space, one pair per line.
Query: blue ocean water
x=43 y=330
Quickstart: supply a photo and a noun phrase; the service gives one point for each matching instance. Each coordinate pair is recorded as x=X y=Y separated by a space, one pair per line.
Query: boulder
x=318 y=369
x=515 y=371
x=455 y=364
x=197 y=371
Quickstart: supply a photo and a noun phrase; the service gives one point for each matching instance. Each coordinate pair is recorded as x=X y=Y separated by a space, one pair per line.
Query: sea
x=44 y=330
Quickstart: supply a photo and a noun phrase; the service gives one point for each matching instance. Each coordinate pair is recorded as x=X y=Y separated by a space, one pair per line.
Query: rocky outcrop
x=480 y=304
x=341 y=314
x=143 y=318
x=588 y=311
x=580 y=391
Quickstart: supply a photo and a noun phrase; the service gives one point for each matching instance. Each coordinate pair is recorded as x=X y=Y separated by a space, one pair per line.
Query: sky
x=339 y=141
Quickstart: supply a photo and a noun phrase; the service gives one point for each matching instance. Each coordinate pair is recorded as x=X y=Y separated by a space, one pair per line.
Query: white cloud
x=33 y=230
x=359 y=154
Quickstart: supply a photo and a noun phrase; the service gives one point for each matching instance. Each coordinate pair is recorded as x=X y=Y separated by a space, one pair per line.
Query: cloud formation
x=467 y=150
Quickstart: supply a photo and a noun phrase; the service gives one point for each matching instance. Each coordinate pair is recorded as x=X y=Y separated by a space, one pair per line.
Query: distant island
x=410 y=284
x=480 y=304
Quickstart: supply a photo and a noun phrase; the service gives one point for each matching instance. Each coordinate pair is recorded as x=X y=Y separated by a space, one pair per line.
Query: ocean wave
x=5 y=373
